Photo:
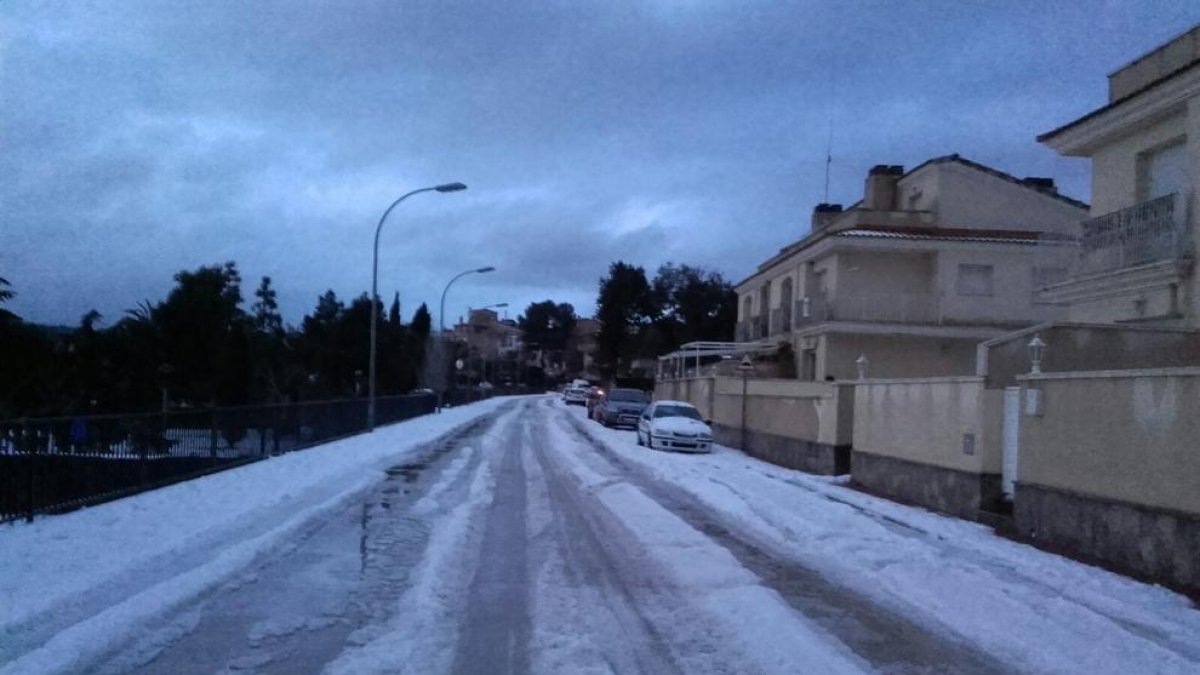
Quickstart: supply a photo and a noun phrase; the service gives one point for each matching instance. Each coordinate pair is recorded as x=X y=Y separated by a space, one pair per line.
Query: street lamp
x=445 y=187
x=1037 y=349
x=442 y=309
x=442 y=319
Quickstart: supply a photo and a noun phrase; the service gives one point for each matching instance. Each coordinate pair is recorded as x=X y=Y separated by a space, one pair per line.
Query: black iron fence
x=51 y=465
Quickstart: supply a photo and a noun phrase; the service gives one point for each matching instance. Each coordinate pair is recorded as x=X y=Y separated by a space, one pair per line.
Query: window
x=677 y=411
x=1161 y=172
x=975 y=280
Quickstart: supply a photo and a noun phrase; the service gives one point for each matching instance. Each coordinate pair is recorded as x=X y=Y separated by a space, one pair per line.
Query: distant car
x=621 y=407
x=673 y=425
x=594 y=394
x=575 y=396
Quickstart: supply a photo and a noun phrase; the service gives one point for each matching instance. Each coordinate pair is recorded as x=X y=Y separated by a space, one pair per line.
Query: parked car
x=594 y=394
x=574 y=396
x=621 y=407
x=673 y=425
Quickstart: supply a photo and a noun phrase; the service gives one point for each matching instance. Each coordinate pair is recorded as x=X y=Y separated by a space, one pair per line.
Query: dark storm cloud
x=140 y=139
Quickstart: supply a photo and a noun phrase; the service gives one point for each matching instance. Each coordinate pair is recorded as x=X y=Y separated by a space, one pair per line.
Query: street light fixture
x=1037 y=349
x=442 y=309
x=445 y=187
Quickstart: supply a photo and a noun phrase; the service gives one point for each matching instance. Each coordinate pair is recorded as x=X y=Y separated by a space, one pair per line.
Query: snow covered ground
x=1031 y=610
x=514 y=536
x=70 y=584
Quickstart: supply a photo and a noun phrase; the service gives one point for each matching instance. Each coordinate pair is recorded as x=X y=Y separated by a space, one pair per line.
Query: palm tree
x=6 y=294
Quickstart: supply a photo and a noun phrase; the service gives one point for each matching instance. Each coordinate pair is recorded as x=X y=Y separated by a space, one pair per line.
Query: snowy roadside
x=71 y=584
x=724 y=601
x=1030 y=609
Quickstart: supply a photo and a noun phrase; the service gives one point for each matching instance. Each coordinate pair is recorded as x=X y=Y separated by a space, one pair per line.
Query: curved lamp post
x=445 y=187
x=442 y=309
x=442 y=318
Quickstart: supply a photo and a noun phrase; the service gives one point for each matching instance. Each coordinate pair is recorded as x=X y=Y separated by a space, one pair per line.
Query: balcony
x=754 y=328
x=1152 y=231
x=781 y=320
x=867 y=307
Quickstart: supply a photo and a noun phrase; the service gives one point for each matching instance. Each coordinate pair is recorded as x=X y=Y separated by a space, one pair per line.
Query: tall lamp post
x=442 y=316
x=445 y=187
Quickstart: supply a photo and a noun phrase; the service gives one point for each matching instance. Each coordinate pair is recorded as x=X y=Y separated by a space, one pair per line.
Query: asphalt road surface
x=524 y=543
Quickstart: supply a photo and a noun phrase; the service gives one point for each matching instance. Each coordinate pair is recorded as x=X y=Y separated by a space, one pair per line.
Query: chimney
x=1041 y=184
x=880 y=194
x=824 y=214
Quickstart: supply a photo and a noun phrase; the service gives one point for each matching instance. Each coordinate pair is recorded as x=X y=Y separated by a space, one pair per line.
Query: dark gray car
x=621 y=407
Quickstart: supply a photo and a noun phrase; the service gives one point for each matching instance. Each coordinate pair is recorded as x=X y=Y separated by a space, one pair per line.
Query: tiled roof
x=952 y=234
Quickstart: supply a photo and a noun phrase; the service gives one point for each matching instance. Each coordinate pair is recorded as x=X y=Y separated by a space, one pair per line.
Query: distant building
x=492 y=340
x=1137 y=255
x=927 y=265
x=582 y=349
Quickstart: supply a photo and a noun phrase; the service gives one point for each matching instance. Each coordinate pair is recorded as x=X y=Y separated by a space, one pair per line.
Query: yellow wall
x=1132 y=436
x=811 y=411
x=924 y=420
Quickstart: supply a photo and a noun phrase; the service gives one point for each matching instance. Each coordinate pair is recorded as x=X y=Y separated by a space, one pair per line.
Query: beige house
x=493 y=344
x=930 y=263
x=1137 y=253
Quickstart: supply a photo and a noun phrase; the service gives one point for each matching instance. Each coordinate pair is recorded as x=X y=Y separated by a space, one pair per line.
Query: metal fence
x=50 y=465
x=1147 y=232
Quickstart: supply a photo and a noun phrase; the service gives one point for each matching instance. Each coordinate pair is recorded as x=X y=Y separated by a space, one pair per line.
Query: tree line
x=642 y=318
x=205 y=345
x=202 y=346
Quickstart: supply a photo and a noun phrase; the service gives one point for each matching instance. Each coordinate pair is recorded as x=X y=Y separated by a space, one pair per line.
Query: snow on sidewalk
x=80 y=578
x=1031 y=609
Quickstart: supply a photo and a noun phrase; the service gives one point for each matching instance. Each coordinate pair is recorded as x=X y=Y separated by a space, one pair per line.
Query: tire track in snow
x=496 y=628
x=892 y=642
x=628 y=641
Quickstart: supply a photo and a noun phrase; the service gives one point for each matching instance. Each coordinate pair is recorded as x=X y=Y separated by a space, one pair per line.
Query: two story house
x=928 y=264
x=1136 y=261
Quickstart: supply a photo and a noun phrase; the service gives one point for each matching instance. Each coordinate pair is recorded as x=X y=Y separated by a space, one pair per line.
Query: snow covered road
x=527 y=539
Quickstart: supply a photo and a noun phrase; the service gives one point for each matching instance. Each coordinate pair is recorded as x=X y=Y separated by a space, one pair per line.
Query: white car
x=574 y=396
x=673 y=425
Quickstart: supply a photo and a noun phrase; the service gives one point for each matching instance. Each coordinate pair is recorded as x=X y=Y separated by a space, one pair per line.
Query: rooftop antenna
x=829 y=140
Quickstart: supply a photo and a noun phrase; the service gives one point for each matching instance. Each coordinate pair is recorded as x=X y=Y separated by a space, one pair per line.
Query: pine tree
x=266 y=310
x=422 y=323
x=394 y=312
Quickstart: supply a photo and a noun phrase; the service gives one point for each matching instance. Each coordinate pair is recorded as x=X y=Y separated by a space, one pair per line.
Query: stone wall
x=1151 y=543
x=959 y=493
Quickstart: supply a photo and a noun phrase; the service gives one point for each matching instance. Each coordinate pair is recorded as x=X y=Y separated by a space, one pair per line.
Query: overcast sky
x=140 y=138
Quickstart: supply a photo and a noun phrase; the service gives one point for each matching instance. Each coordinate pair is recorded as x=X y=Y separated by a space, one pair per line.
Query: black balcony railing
x=51 y=465
x=1148 y=232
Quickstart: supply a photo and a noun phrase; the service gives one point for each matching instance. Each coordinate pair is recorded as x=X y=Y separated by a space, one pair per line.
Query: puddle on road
x=297 y=610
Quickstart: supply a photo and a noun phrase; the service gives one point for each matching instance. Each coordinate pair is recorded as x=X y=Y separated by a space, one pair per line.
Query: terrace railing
x=1148 y=232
